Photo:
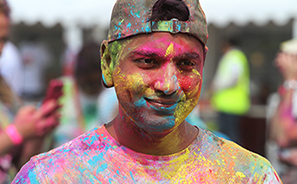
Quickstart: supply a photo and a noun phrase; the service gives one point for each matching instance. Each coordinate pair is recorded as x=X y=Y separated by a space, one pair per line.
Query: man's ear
x=205 y=49
x=105 y=65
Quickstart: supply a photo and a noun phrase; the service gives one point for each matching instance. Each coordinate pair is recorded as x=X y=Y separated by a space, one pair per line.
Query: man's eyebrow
x=146 y=53
x=188 y=55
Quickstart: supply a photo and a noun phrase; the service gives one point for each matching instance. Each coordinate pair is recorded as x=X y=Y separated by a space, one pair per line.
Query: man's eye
x=187 y=63
x=147 y=61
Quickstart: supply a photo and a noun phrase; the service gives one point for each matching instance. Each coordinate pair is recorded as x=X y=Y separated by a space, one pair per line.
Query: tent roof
x=241 y=12
x=66 y=12
x=93 y=12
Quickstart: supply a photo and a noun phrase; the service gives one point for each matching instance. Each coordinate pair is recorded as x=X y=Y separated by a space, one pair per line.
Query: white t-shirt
x=11 y=67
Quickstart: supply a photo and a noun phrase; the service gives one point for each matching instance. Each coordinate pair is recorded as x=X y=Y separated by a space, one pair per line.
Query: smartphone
x=54 y=90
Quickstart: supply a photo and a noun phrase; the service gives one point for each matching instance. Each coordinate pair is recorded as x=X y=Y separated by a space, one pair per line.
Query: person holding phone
x=19 y=131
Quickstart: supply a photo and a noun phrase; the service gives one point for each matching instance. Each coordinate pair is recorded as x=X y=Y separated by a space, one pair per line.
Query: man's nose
x=168 y=83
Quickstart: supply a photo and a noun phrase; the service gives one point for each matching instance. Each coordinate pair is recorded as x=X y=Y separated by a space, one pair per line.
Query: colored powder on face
x=115 y=49
x=196 y=72
x=136 y=81
x=183 y=110
x=172 y=81
x=169 y=50
x=140 y=103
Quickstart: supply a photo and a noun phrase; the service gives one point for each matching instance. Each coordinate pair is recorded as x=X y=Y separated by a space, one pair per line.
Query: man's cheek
x=190 y=84
x=135 y=82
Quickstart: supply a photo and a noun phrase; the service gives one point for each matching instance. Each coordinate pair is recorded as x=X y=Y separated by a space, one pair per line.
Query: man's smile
x=163 y=105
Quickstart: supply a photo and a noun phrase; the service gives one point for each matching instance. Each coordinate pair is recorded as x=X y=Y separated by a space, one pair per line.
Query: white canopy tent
x=71 y=13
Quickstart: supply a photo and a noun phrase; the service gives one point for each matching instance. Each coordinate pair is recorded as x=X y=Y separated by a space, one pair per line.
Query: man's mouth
x=162 y=105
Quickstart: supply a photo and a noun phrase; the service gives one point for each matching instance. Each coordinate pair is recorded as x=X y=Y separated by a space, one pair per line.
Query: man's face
x=4 y=30
x=158 y=79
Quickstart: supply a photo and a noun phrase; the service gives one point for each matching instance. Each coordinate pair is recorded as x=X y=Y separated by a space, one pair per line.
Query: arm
x=30 y=148
x=283 y=125
x=6 y=143
x=30 y=123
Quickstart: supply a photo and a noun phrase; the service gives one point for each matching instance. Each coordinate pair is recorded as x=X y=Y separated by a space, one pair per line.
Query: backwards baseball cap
x=289 y=46
x=132 y=17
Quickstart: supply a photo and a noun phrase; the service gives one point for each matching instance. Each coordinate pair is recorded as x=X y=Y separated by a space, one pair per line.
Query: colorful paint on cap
x=132 y=17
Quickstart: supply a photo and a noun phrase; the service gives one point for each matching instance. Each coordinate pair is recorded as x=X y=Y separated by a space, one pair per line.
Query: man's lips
x=162 y=104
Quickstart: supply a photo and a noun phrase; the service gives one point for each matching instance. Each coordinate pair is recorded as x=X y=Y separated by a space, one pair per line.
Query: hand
x=289 y=156
x=32 y=122
x=288 y=65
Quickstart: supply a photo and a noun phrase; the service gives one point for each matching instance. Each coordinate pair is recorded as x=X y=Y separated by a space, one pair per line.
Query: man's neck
x=126 y=132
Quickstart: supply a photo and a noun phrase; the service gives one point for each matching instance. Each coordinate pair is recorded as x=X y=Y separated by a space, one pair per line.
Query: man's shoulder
x=68 y=153
x=229 y=151
x=72 y=157
x=84 y=142
x=231 y=160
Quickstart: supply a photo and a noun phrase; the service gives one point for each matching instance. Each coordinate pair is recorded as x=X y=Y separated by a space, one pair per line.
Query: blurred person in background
x=230 y=89
x=79 y=111
x=36 y=59
x=10 y=59
x=282 y=115
x=20 y=135
x=19 y=131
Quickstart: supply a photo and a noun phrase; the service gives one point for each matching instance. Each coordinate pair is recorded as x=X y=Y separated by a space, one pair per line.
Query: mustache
x=177 y=96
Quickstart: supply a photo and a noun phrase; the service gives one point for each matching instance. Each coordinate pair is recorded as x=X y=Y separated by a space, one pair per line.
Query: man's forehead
x=162 y=48
x=162 y=39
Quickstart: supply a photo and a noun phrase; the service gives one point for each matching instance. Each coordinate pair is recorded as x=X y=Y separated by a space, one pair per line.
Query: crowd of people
x=127 y=109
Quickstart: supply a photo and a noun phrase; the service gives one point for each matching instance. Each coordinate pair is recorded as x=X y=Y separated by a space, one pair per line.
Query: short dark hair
x=169 y=9
x=231 y=40
x=88 y=59
x=4 y=8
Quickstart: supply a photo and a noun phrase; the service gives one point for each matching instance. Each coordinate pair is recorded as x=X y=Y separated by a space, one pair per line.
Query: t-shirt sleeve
x=27 y=174
x=269 y=175
x=272 y=177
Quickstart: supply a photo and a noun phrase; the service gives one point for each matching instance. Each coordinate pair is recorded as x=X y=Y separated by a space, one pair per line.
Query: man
x=154 y=58
x=10 y=59
x=231 y=89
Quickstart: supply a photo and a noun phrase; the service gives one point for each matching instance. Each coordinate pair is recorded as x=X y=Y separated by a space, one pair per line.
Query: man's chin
x=159 y=125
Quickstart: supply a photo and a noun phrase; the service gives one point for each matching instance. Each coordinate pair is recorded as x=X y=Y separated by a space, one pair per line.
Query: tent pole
x=295 y=28
x=73 y=37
